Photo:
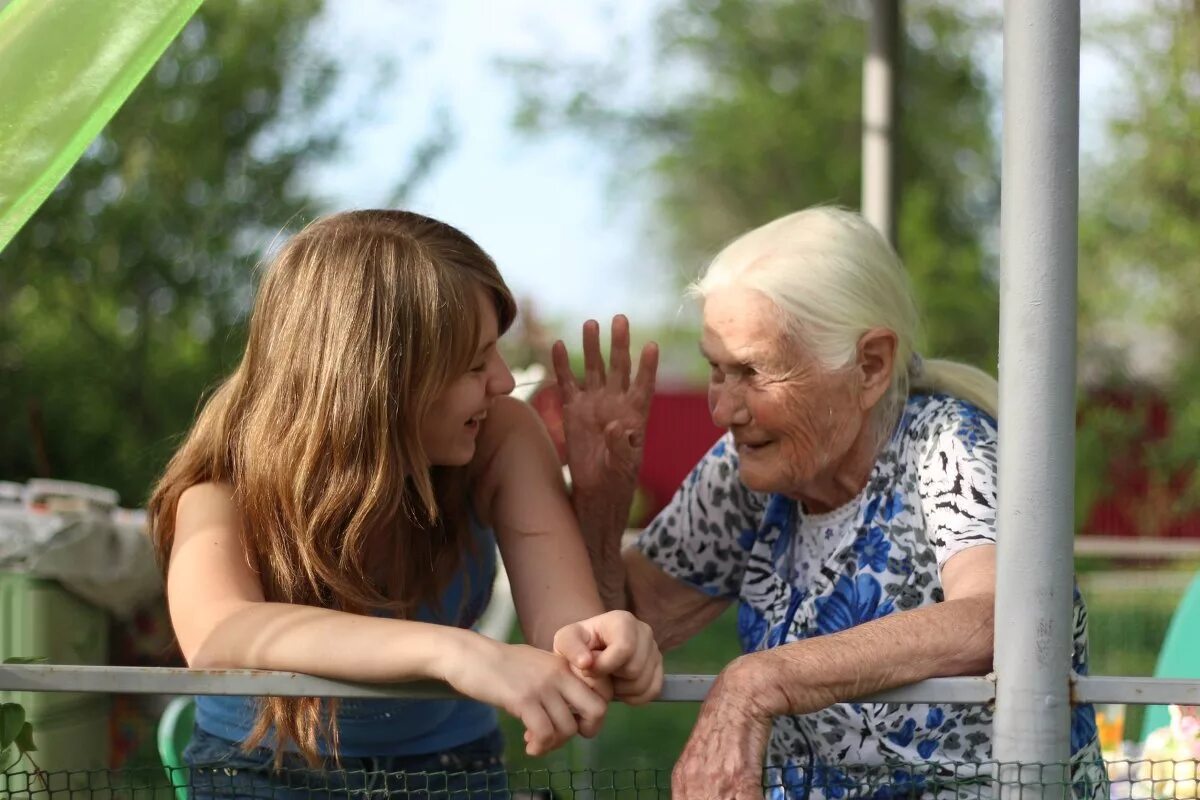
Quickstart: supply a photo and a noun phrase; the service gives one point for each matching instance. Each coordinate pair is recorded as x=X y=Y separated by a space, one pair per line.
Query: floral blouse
x=796 y=575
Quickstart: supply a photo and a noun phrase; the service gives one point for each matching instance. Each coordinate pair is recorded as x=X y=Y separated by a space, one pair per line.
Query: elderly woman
x=850 y=512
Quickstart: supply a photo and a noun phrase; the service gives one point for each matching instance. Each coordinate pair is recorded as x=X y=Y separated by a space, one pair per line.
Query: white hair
x=834 y=277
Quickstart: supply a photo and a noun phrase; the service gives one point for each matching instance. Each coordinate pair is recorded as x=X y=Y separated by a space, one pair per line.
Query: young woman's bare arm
x=223 y=621
x=520 y=492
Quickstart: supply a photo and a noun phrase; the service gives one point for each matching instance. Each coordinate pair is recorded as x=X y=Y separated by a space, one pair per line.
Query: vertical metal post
x=1038 y=263
x=880 y=79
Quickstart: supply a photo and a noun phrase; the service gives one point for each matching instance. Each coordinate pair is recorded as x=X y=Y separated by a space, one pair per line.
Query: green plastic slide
x=1180 y=654
x=66 y=67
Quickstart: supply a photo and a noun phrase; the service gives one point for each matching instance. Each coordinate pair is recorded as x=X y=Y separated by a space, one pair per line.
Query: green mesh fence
x=1123 y=780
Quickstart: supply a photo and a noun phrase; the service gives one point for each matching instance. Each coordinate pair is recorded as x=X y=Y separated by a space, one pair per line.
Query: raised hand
x=605 y=415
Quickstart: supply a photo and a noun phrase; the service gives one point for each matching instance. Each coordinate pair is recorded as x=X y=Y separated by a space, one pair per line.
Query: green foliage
x=767 y=119
x=12 y=723
x=16 y=736
x=123 y=298
x=1139 y=237
x=16 y=733
x=1102 y=432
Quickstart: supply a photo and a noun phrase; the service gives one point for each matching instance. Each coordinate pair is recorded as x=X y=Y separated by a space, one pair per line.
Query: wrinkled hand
x=723 y=758
x=604 y=416
x=615 y=644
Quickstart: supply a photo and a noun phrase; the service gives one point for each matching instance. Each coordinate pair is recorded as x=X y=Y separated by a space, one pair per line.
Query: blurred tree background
x=1140 y=262
x=123 y=299
x=756 y=111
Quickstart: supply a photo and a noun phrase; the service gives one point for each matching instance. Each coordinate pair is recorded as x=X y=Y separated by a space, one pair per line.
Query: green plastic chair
x=174 y=733
x=1180 y=653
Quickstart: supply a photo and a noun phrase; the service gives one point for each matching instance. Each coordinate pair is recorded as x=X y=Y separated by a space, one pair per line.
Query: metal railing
x=1121 y=778
x=676 y=688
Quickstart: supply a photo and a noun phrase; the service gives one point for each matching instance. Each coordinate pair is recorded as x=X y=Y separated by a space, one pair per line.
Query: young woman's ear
x=876 y=360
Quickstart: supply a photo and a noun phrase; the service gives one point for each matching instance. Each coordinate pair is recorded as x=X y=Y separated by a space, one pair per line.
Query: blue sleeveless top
x=389 y=727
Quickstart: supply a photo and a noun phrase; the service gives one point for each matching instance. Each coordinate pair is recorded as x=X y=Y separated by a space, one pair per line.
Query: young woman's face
x=450 y=431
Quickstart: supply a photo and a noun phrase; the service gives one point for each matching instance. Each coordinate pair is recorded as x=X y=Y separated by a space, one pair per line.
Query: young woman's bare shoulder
x=508 y=417
x=204 y=505
x=511 y=427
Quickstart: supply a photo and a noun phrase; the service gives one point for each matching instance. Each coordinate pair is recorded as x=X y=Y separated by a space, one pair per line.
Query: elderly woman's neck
x=844 y=479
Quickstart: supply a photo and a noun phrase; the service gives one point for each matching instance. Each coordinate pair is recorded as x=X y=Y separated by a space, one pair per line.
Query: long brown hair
x=361 y=320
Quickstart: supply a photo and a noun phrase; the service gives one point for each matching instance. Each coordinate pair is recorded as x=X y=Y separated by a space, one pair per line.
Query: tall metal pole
x=880 y=79
x=1038 y=264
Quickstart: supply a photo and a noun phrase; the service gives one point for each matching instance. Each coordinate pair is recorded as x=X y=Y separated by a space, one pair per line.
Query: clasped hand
x=558 y=694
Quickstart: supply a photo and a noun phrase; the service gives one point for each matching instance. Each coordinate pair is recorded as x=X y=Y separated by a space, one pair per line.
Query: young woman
x=332 y=513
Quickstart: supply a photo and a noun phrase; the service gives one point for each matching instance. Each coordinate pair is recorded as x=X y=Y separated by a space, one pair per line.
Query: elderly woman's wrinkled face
x=793 y=420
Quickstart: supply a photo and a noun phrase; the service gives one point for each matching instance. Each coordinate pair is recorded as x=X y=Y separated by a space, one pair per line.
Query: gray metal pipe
x=676 y=688
x=174 y=680
x=880 y=81
x=1038 y=265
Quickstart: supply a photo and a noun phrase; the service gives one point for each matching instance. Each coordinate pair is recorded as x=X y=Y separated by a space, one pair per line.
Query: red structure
x=679 y=433
x=1135 y=500
x=1138 y=499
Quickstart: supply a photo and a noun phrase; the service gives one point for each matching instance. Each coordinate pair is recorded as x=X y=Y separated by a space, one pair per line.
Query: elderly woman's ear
x=876 y=361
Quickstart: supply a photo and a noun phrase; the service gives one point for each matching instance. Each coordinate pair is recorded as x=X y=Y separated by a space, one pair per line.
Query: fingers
x=618 y=355
x=628 y=652
x=620 y=644
x=565 y=725
x=640 y=666
x=589 y=707
x=643 y=688
x=600 y=684
x=562 y=371
x=647 y=372
x=539 y=730
x=593 y=361
x=576 y=644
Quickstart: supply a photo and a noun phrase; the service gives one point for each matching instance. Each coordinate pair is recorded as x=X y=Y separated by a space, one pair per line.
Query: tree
x=1140 y=235
x=123 y=299
x=766 y=119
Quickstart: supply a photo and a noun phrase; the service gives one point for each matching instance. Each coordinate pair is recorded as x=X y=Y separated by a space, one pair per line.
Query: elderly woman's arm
x=630 y=581
x=674 y=611
x=605 y=418
x=953 y=637
x=950 y=638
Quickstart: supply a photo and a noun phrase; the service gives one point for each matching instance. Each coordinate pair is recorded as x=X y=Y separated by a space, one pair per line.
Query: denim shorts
x=220 y=768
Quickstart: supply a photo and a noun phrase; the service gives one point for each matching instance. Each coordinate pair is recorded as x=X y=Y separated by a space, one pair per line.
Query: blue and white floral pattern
x=795 y=575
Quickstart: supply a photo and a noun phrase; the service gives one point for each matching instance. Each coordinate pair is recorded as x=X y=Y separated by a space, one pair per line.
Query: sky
x=546 y=208
x=543 y=206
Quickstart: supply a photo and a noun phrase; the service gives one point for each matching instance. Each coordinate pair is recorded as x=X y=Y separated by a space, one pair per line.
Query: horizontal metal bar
x=155 y=680
x=676 y=688
x=171 y=680
x=1136 y=691
x=1125 y=547
x=1088 y=545
x=975 y=691
x=685 y=688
